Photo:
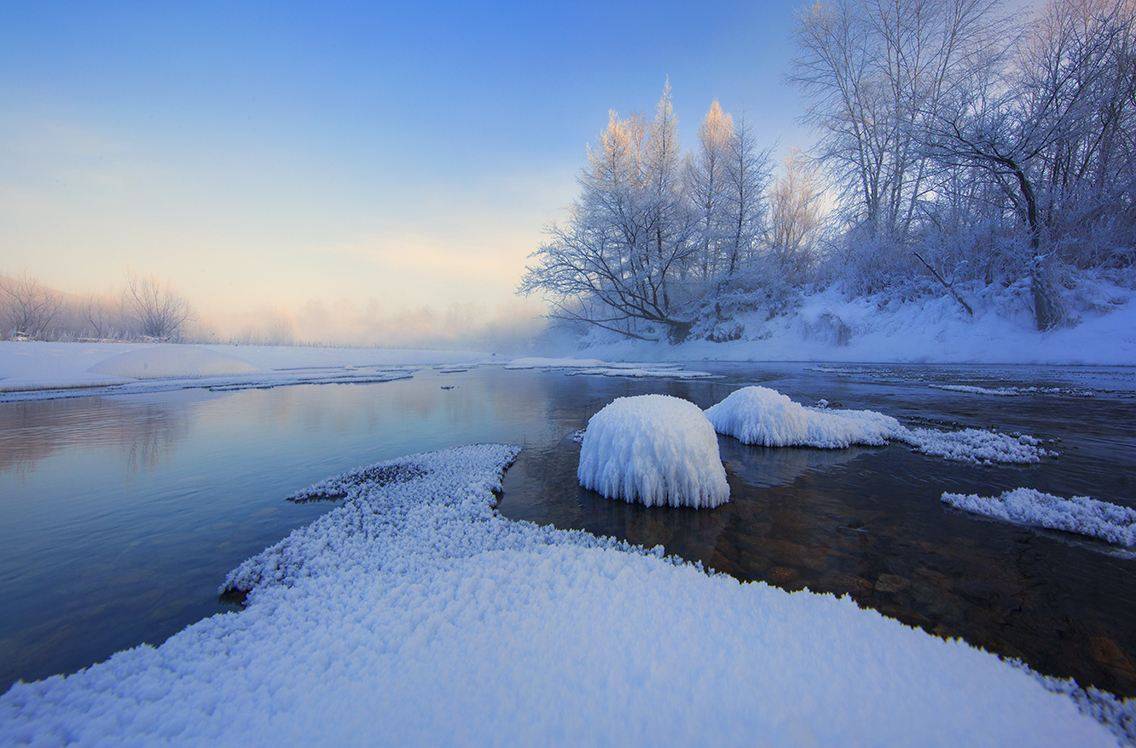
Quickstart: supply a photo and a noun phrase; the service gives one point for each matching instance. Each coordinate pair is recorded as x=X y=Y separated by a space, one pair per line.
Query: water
x=120 y=516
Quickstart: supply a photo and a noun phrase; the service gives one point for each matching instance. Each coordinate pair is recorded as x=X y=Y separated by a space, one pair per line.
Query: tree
x=747 y=176
x=872 y=71
x=795 y=215
x=158 y=310
x=1037 y=122
x=29 y=307
x=707 y=185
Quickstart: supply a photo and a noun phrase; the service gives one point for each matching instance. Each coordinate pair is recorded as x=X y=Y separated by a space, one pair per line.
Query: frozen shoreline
x=829 y=328
x=412 y=613
x=38 y=371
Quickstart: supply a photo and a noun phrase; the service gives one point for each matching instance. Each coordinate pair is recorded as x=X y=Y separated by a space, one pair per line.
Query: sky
x=358 y=172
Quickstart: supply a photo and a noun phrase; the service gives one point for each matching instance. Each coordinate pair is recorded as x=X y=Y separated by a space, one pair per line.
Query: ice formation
x=655 y=450
x=975 y=445
x=642 y=372
x=762 y=416
x=1104 y=520
x=759 y=415
x=412 y=613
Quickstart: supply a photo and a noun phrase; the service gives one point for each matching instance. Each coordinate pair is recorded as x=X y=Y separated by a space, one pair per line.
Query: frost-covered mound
x=759 y=415
x=172 y=361
x=414 y=614
x=655 y=450
x=1110 y=522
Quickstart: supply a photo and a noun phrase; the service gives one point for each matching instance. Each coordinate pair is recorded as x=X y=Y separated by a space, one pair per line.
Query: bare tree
x=159 y=311
x=29 y=307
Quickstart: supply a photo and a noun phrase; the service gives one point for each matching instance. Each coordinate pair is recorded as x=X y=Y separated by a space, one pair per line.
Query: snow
x=976 y=390
x=171 y=361
x=32 y=370
x=765 y=417
x=656 y=450
x=412 y=613
x=759 y=415
x=641 y=372
x=927 y=330
x=976 y=445
x=538 y=362
x=1104 y=520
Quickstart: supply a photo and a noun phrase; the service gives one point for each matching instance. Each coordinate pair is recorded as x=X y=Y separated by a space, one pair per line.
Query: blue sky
x=396 y=159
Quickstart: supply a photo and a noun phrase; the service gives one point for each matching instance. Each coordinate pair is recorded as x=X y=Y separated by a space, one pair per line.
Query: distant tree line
x=146 y=309
x=959 y=147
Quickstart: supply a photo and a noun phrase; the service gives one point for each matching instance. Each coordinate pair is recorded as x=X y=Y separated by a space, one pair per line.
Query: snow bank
x=927 y=330
x=36 y=371
x=759 y=415
x=1026 y=506
x=172 y=361
x=414 y=614
x=655 y=450
x=539 y=362
x=638 y=372
x=763 y=416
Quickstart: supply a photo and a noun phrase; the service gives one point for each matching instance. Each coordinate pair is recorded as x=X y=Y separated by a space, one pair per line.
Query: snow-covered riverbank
x=413 y=613
x=30 y=369
x=828 y=327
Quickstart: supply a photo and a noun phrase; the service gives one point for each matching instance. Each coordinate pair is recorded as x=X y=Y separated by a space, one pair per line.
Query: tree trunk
x=1047 y=307
x=677 y=332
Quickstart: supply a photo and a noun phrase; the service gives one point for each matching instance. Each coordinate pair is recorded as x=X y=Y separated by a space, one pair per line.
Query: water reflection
x=143 y=430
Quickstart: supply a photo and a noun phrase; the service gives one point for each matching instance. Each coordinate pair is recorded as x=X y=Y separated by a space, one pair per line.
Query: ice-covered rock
x=1110 y=522
x=759 y=415
x=655 y=450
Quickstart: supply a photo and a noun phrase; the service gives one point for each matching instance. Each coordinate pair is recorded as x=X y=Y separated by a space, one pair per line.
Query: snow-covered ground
x=765 y=417
x=655 y=450
x=828 y=327
x=413 y=614
x=31 y=370
x=1110 y=522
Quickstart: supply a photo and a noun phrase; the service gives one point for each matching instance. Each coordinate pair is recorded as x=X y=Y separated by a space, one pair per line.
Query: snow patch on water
x=655 y=450
x=976 y=445
x=412 y=613
x=1082 y=515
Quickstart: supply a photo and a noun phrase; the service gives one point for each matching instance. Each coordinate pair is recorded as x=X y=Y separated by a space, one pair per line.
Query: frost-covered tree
x=708 y=188
x=615 y=263
x=872 y=72
x=28 y=307
x=158 y=310
x=795 y=216
x=744 y=205
x=1045 y=122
